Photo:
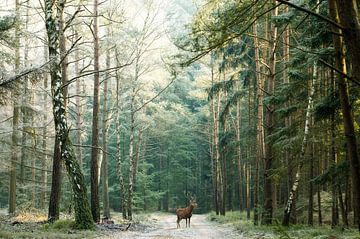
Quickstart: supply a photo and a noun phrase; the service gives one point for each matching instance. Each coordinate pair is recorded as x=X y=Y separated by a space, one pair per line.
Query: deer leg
x=189 y=221
x=178 y=222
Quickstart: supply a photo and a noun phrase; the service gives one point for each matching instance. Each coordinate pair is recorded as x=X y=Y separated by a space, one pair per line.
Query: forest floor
x=32 y=224
x=163 y=226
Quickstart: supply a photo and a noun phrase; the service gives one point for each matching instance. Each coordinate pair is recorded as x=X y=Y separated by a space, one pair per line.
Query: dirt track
x=164 y=227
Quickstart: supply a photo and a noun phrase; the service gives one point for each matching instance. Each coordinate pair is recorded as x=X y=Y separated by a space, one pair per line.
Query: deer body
x=185 y=213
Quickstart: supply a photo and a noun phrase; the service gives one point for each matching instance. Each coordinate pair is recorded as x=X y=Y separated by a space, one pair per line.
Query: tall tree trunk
x=94 y=172
x=248 y=196
x=105 y=176
x=260 y=143
x=219 y=176
x=138 y=155
x=78 y=108
x=239 y=163
x=56 y=179
x=311 y=189
x=83 y=218
x=118 y=148
x=26 y=112
x=15 y=150
x=63 y=52
x=214 y=164
x=334 y=207
x=346 y=13
x=294 y=188
x=268 y=184
x=44 y=162
x=43 y=195
x=319 y=205
x=131 y=156
x=342 y=208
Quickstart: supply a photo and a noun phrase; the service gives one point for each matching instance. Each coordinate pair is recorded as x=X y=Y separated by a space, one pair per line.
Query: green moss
x=61 y=224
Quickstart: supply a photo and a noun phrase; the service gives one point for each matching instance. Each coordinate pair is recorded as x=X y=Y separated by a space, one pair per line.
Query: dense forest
x=139 y=106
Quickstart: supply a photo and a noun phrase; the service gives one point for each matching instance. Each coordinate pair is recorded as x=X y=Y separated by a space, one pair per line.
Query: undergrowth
x=277 y=231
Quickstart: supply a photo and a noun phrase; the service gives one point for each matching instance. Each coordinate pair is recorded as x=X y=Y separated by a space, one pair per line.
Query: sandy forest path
x=164 y=227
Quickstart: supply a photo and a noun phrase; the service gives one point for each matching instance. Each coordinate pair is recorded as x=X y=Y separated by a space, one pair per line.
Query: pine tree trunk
x=214 y=164
x=94 y=171
x=83 y=217
x=342 y=208
x=79 y=115
x=118 y=149
x=311 y=189
x=334 y=206
x=248 y=196
x=105 y=176
x=219 y=176
x=239 y=164
x=319 y=205
x=269 y=117
x=15 y=123
x=346 y=13
x=260 y=143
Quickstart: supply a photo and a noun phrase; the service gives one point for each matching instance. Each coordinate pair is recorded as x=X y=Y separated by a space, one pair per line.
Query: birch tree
x=83 y=217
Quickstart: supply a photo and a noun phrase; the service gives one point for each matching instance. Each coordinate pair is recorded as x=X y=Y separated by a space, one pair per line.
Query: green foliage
x=61 y=225
x=340 y=171
x=327 y=107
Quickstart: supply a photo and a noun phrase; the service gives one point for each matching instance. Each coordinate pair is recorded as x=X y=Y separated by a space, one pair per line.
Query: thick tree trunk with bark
x=83 y=217
x=269 y=118
x=94 y=171
x=346 y=13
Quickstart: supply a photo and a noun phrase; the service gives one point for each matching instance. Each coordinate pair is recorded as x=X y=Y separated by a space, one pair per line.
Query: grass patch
x=247 y=228
x=60 y=225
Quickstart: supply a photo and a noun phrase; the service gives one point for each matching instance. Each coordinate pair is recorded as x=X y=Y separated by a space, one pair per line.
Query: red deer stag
x=185 y=213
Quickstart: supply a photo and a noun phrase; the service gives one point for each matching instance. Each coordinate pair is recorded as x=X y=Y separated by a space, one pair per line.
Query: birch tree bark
x=83 y=217
x=294 y=188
